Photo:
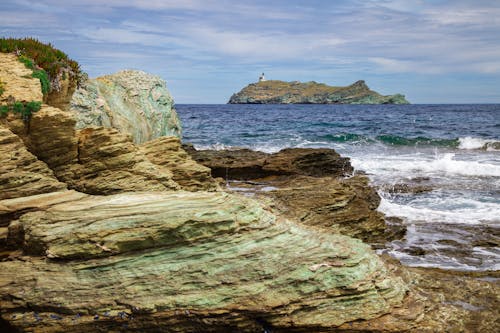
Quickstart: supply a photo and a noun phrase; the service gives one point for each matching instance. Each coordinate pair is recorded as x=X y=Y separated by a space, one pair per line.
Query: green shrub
x=25 y=110
x=44 y=80
x=2 y=88
x=34 y=53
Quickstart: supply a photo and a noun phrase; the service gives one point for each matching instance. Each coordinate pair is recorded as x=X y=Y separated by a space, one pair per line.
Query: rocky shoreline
x=102 y=232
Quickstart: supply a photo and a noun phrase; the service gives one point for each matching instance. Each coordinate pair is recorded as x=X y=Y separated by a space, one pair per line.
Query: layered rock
x=17 y=80
x=280 y=92
x=210 y=262
x=167 y=152
x=133 y=102
x=21 y=173
x=247 y=164
x=108 y=162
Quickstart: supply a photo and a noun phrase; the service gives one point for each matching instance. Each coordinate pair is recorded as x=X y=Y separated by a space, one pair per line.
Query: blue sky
x=434 y=51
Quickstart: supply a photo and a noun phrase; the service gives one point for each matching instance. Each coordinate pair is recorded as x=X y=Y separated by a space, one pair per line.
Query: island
x=295 y=92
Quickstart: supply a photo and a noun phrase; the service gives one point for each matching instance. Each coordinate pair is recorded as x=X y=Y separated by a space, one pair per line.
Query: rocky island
x=120 y=229
x=281 y=92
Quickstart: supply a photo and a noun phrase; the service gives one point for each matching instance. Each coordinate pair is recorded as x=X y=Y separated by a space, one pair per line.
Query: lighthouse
x=262 y=77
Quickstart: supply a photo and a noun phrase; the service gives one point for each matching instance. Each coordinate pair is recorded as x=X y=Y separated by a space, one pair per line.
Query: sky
x=435 y=51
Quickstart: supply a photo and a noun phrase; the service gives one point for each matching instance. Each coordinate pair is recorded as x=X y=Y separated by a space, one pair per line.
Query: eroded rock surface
x=184 y=262
x=244 y=164
x=17 y=80
x=21 y=173
x=167 y=152
x=133 y=102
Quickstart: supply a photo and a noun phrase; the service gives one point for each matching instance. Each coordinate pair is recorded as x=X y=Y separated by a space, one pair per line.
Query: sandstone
x=17 y=80
x=187 y=261
x=190 y=175
x=133 y=102
x=21 y=173
x=109 y=162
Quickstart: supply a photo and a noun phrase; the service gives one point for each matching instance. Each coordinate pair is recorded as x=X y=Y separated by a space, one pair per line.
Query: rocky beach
x=111 y=222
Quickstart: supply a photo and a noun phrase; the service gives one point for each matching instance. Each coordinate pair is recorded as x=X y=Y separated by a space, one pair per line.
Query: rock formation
x=133 y=102
x=190 y=175
x=17 y=80
x=280 y=92
x=21 y=173
x=186 y=261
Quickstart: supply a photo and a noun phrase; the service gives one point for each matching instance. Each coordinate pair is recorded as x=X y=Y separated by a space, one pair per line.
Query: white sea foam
x=442 y=164
x=476 y=143
x=466 y=211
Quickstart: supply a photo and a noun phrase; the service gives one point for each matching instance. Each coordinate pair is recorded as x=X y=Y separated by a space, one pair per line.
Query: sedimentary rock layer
x=184 y=262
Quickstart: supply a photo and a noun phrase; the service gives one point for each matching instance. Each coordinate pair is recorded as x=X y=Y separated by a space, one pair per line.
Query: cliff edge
x=281 y=92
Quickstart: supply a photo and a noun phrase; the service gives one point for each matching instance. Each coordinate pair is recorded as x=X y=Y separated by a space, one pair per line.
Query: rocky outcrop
x=244 y=164
x=167 y=152
x=17 y=80
x=184 y=261
x=133 y=102
x=108 y=162
x=307 y=185
x=280 y=92
x=21 y=173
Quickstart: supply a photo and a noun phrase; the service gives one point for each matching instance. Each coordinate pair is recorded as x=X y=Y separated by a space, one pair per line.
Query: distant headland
x=295 y=92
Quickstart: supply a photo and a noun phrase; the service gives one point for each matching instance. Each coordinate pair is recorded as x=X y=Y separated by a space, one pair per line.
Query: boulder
x=133 y=102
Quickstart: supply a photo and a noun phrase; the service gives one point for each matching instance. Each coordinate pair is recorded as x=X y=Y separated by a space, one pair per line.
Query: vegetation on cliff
x=49 y=64
x=281 y=92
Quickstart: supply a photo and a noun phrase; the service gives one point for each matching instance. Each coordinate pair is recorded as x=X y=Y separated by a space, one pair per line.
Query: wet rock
x=247 y=164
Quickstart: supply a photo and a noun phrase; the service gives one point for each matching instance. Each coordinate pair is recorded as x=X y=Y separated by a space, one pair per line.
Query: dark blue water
x=452 y=149
x=260 y=125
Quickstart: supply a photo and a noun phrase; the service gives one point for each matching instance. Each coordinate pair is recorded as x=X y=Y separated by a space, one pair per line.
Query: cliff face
x=280 y=92
x=133 y=102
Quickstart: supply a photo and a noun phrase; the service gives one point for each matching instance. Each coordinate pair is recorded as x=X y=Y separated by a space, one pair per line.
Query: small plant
x=44 y=80
x=25 y=110
x=2 y=88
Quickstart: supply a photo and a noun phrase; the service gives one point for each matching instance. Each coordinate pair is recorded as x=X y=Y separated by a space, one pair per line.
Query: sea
x=436 y=167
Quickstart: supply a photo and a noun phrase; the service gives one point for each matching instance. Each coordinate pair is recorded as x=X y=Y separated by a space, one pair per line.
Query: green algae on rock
x=134 y=102
x=214 y=260
x=281 y=92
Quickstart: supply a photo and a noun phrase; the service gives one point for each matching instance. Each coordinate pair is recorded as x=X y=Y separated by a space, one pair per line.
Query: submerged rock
x=134 y=102
x=280 y=92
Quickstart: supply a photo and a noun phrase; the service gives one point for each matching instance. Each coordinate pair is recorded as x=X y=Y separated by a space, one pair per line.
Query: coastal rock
x=186 y=261
x=190 y=175
x=109 y=162
x=244 y=164
x=133 y=102
x=17 y=81
x=344 y=206
x=280 y=92
x=21 y=173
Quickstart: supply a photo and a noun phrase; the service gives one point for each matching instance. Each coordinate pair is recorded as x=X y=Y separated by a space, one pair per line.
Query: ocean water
x=446 y=158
